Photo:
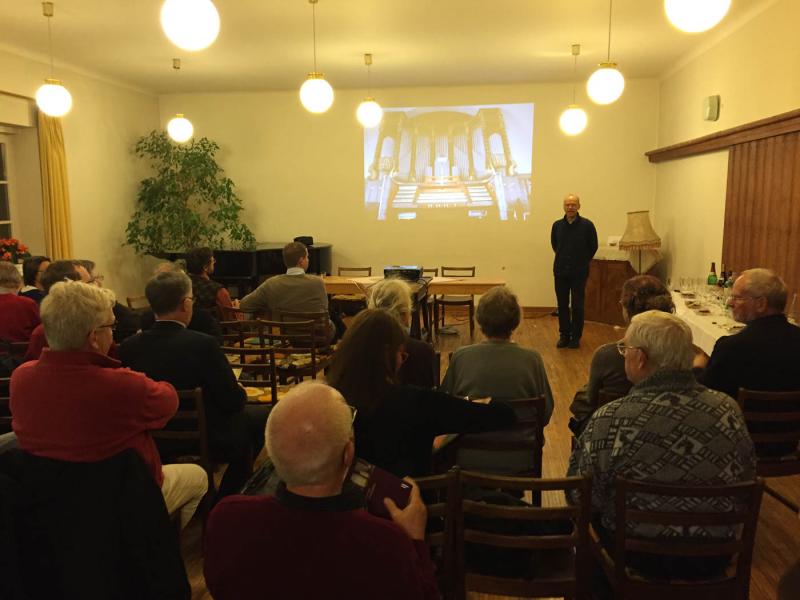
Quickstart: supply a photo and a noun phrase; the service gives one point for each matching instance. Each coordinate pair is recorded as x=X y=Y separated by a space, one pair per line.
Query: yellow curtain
x=55 y=188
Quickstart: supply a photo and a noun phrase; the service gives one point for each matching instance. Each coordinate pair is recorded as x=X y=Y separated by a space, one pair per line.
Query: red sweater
x=310 y=548
x=38 y=342
x=82 y=407
x=18 y=317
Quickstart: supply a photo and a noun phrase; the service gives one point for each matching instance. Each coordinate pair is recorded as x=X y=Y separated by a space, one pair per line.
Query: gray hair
x=665 y=338
x=166 y=291
x=9 y=276
x=392 y=295
x=71 y=311
x=307 y=432
x=499 y=312
x=764 y=283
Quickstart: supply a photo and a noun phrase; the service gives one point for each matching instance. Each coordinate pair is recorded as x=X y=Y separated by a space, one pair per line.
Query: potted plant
x=187 y=203
x=12 y=250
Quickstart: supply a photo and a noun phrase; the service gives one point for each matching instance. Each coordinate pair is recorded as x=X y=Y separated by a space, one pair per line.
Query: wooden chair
x=444 y=301
x=257 y=367
x=138 y=303
x=322 y=326
x=530 y=422
x=428 y=308
x=734 y=584
x=5 y=410
x=773 y=418
x=442 y=496
x=563 y=566
x=351 y=304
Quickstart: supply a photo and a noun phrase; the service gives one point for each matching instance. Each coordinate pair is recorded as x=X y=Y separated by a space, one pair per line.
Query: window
x=5 y=209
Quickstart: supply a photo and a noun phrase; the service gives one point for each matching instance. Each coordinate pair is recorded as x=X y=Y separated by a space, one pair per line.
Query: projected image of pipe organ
x=471 y=162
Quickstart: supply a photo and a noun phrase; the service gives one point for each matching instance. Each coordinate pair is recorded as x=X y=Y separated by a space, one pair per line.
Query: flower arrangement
x=12 y=250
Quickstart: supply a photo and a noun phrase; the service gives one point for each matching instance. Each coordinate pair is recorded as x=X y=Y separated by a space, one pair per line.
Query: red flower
x=22 y=248
x=7 y=256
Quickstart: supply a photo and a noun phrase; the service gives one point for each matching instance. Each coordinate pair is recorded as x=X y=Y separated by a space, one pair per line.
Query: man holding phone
x=312 y=539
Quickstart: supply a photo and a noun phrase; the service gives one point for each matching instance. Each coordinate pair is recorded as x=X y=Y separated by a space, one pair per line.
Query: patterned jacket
x=669 y=429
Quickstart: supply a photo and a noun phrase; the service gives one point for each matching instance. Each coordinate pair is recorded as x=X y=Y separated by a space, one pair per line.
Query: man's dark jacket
x=574 y=244
x=188 y=359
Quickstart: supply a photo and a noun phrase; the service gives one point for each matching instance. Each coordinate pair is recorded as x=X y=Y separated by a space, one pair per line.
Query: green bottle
x=712 y=275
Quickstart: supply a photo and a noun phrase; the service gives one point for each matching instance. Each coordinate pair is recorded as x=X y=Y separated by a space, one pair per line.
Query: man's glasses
x=622 y=348
x=97 y=278
x=111 y=326
x=353 y=412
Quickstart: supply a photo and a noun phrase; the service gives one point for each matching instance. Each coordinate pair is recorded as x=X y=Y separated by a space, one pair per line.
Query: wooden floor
x=776 y=564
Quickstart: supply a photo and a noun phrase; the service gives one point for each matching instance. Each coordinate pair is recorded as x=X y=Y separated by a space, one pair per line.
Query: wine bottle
x=712 y=275
x=723 y=275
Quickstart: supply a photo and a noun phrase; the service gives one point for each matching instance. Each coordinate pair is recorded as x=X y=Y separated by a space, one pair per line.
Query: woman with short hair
x=32 y=269
x=394 y=296
x=396 y=424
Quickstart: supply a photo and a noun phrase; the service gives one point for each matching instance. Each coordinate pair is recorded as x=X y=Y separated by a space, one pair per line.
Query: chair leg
x=472 y=319
x=436 y=317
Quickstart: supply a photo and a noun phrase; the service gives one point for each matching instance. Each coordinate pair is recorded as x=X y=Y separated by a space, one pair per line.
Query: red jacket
x=38 y=342
x=82 y=407
x=18 y=317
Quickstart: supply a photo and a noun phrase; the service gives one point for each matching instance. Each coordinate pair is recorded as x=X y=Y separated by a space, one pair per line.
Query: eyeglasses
x=189 y=298
x=99 y=278
x=735 y=298
x=354 y=412
x=622 y=348
x=111 y=326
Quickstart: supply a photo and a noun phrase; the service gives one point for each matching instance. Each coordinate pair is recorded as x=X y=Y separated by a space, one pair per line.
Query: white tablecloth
x=649 y=257
x=706 y=329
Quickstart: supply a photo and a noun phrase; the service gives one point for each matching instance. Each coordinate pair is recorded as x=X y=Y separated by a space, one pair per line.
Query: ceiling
x=266 y=44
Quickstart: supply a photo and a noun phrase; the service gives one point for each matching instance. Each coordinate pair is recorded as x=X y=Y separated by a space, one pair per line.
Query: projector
x=409 y=273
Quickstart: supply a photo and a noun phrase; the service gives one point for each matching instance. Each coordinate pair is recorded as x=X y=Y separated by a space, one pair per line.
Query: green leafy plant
x=188 y=202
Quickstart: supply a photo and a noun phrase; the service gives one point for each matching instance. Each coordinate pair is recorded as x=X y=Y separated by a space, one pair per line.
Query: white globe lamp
x=180 y=129
x=694 y=16
x=369 y=113
x=190 y=24
x=53 y=98
x=573 y=120
x=606 y=84
x=316 y=94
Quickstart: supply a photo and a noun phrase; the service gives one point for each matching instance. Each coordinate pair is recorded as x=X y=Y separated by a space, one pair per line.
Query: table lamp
x=639 y=235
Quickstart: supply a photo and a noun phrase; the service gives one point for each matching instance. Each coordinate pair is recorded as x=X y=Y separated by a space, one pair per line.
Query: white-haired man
x=19 y=316
x=312 y=539
x=77 y=404
x=668 y=429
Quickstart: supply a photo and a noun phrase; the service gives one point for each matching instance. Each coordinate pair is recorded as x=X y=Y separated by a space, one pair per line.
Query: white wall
x=301 y=174
x=755 y=71
x=99 y=134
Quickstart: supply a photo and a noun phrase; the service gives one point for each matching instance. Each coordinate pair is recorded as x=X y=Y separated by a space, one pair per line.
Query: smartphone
x=378 y=484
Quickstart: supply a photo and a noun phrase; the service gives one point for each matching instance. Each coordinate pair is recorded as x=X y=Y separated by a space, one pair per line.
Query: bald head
x=572 y=204
x=307 y=433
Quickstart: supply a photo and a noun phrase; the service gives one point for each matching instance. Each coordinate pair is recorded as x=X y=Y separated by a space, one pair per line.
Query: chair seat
x=455 y=299
x=350 y=297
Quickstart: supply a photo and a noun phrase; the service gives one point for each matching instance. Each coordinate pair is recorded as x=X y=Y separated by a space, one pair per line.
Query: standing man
x=574 y=240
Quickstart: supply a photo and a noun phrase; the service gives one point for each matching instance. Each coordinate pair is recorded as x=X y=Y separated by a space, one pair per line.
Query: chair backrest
x=258 y=367
x=559 y=533
x=442 y=496
x=188 y=427
x=430 y=272
x=322 y=325
x=458 y=271
x=744 y=500
x=5 y=411
x=355 y=271
x=773 y=419
x=138 y=302
x=530 y=419
x=604 y=396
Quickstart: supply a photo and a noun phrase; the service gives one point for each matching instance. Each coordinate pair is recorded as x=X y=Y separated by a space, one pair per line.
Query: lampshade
x=369 y=113
x=190 y=24
x=639 y=233
x=693 y=16
x=316 y=94
x=180 y=129
x=606 y=84
x=573 y=120
x=53 y=98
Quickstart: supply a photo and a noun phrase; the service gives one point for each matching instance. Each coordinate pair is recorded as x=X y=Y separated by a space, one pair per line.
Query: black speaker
x=305 y=239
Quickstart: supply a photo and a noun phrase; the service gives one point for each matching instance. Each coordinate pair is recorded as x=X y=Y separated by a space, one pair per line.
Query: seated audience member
x=127 y=319
x=32 y=270
x=497 y=367
x=208 y=294
x=77 y=404
x=60 y=270
x=607 y=371
x=294 y=291
x=500 y=369
x=668 y=429
x=168 y=351
x=203 y=320
x=19 y=316
x=396 y=424
x=419 y=368
x=313 y=539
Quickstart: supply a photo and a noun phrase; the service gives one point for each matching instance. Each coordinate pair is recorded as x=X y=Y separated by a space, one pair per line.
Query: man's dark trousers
x=570 y=322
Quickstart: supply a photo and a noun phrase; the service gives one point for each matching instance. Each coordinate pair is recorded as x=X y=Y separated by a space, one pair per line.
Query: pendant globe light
x=190 y=24
x=606 y=84
x=52 y=98
x=369 y=112
x=694 y=16
x=316 y=94
x=179 y=128
x=573 y=120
